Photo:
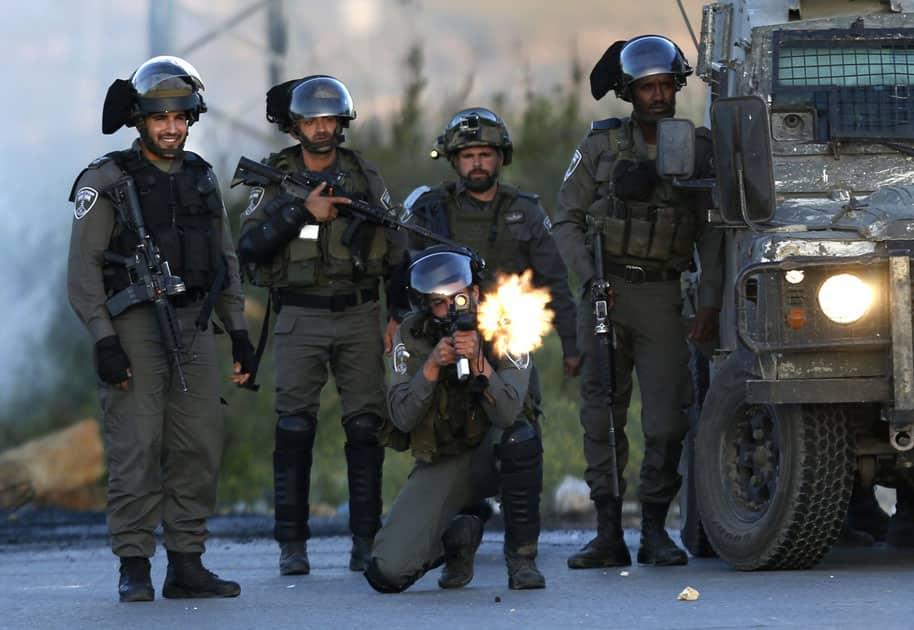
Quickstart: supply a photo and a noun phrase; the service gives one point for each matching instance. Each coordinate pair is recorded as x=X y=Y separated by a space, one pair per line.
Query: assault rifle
x=300 y=185
x=150 y=276
x=601 y=296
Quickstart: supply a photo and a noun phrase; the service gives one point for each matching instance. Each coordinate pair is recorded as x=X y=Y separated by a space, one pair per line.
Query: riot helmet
x=647 y=56
x=316 y=96
x=441 y=270
x=474 y=127
x=161 y=84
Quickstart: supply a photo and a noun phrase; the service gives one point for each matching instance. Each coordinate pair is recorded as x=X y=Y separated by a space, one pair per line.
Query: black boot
x=461 y=540
x=135 y=585
x=522 y=571
x=865 y=514
x=188 y=578
x=608 y=549
x=850 y=537
x=360 y=554
x=656 y=546
x=293 y=558
x=901 y=526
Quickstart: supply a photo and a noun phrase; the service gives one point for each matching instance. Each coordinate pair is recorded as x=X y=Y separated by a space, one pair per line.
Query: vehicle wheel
x=691 y=529
x=775 y=479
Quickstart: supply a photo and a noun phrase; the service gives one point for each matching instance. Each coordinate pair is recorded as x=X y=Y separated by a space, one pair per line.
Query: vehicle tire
x=691 y=529
x=775 y=479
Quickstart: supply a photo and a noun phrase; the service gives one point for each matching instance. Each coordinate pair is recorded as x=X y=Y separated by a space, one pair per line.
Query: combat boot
x=865 y=514
x=657 y=548
x=360 y=554
x=901 y=526
x=608 y=549
x=187 y=578
x=461 y=540
x=293 y=558
x=522 y=571
x=135 y=585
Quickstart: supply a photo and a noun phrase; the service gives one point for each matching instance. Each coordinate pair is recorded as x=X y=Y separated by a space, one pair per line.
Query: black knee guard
x=292 y=475
x=520 y=456
x=365 y=462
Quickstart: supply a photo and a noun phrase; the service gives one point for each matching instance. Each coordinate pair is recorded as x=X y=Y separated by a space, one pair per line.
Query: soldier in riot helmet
x=323 y=272
x=471 y=437
x=649 y=232
x=506 y=226
x=164 y=444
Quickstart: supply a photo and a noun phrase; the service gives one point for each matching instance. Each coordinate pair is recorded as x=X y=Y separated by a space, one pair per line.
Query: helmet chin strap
x=165 y=154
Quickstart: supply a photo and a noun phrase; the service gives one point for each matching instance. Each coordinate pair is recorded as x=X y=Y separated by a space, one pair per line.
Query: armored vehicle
x=813 y=382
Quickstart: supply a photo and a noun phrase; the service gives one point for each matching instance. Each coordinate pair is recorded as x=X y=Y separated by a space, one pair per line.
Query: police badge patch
x=254 y=200
x=575 y=160
x=521 y=361
x=385 y=199
x=547 y=224
x=401 y=358
x=85 y=199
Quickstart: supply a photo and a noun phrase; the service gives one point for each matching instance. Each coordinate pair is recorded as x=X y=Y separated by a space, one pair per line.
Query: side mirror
x=742 y=158
x=675 y=148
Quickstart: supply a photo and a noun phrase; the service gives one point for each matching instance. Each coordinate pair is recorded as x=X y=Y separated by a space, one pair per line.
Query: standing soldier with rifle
x=647 y=231
x=323 y=273
x=151 y=255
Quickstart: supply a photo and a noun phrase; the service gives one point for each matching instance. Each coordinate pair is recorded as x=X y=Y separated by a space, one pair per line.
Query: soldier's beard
x=480 y=184
x=166 y=154
x=322 y=146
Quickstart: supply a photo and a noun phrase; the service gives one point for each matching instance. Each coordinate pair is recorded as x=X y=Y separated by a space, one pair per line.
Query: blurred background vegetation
x=545 y=130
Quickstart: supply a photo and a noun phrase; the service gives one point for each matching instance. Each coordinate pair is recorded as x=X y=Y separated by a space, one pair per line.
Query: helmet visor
x=321 y=97
x=441 y=273
x=650 y=55
x=172 y=76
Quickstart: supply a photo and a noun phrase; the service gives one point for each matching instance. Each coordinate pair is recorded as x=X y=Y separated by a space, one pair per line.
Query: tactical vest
x=484 y=230
x=183 y=214
x=307 y=263
x=455 y=422
x=658 y=233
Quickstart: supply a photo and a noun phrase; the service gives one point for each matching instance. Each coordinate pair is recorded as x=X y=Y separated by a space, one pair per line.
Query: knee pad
x=362 y=430
x=520 y=454
x=295 y=432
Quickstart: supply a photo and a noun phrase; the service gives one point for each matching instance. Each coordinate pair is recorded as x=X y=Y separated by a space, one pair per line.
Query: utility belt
x=333 y=303
x=636 y=274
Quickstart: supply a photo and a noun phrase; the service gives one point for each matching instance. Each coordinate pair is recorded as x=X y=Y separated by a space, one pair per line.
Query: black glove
x=635 y=181
x=243 y=351
x=111 y=361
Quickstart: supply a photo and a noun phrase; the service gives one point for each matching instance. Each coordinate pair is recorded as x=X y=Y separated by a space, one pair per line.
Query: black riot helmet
x=649 y=55
x=474 y=127
x=442 y=270
x=161 y=84
x=316 y=96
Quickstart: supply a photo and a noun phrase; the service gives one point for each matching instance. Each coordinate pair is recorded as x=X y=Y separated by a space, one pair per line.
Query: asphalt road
x=72 y=584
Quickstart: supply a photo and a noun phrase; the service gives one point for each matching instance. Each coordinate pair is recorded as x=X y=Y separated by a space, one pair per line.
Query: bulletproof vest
x=658 y=233
x=484 y=230
x=307 y=263
x=183 y=215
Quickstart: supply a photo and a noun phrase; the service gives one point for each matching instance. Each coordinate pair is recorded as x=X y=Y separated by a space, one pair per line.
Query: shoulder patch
x=401 y=358
x=515 y=216
x=547 y=224
x=521 y=361
x=575 y=160
x=385 y=199
x=254 y=200
x=605 y=124
x=85 y=199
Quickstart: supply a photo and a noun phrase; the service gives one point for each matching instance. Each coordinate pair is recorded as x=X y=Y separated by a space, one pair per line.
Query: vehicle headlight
x=845 y=298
